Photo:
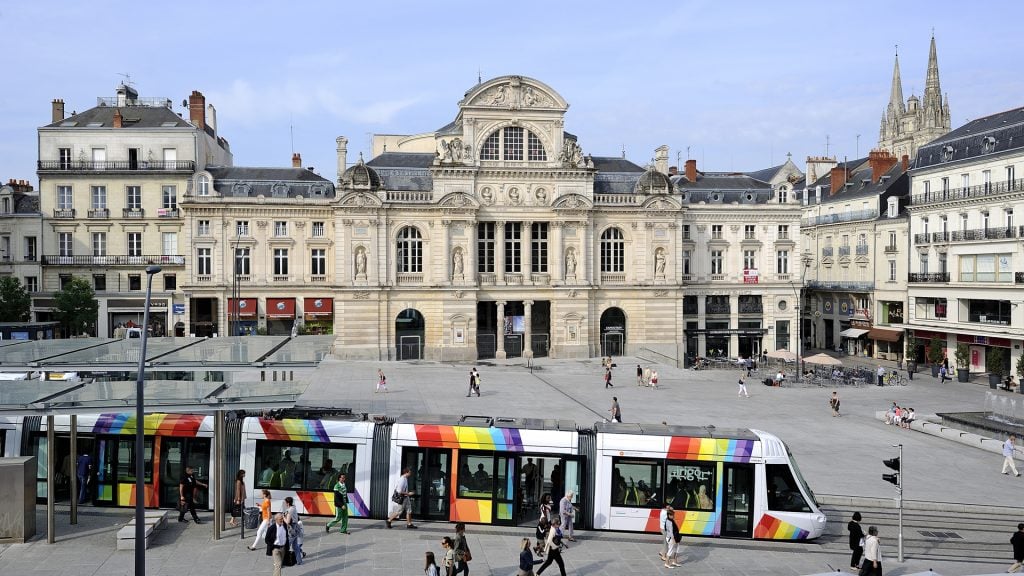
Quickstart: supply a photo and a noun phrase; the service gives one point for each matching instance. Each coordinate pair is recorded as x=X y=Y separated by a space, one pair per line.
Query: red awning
x=247 y=308
x=318 y=306
x=885 y=335
x=280 y=307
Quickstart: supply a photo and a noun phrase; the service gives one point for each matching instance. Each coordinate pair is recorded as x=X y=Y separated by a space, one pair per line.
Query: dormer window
x=894 y=208
x=513 y=143
x=203 y=185
x=988 y=144
x=947 y=153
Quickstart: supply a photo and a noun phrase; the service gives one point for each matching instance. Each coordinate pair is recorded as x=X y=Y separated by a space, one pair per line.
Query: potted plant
x=1020 y=373
x=963 y=363
x=911 y=354
x=995 y=361
x=936 y=354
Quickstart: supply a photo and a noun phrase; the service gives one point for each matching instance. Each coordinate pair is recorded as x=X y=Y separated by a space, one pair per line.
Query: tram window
x=636 y=483
x=126 y=460
x=691 y=485
x=475 y=480
x=783 y=491
x=304 y=466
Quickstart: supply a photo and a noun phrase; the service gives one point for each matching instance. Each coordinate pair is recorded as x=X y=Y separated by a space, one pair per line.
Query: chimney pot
x=838 y=180
x=296 y=160
x=197 y=109
x=691 y=170
x=906 y=162
x=57 y=112
x=881 y=161
x=118 y=119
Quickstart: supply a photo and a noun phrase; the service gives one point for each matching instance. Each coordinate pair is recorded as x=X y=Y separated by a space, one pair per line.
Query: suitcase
x=252 y=518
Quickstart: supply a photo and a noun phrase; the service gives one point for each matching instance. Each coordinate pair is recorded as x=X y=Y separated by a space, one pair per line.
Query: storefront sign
x=179 y=308
x=318 y=307
x=750 y=275
x=280 y=307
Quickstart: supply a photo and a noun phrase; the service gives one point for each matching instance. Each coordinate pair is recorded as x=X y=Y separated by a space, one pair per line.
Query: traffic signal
x=894 y=464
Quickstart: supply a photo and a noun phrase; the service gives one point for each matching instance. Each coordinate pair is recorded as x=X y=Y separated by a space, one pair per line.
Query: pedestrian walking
x=462 y=554
x=448 y=563
x=743 y=388
x=856 y=541
x=187 y=489
x=1017 y=540
x=666 y=532
x=654 y=378
x=265 y=523
x=402 y=499
x=476 y=383
x=872 y=565
x=1008 y=450
x=567 y=512
x=553 y=548
x=608 y=378
x=749 y=363
x=340 y=505
x=277 y=542
x=238 y=502
x=639 y=375
x=834 y=403
x=430 y=568
x=525 y=559
x=382 y=382
x=942 y=375
x=674 y=537
x=881 y=375
x=472 y=382
x=296 y=533
x=83 y=469
x=616 y=412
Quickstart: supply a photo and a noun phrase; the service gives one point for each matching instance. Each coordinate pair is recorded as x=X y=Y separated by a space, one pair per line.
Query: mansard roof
x=408 y=171
x=988 y=135
x=766 y=174
x=132 y=117
x=403 y=160
x=261 y=181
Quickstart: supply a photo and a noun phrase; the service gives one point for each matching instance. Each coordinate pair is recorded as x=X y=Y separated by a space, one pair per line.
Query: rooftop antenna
x=479 y=76
x=127 y=78
x=827 y=142
x=623 y=151
x=858 y=146
x=291 y=132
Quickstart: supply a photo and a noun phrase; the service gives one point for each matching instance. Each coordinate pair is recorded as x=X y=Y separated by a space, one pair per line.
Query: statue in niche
x=487 y=196
x=659 y=262
x=457 y=262
x=542 y=196
x=513 y=195
x=570 y=262
x=361 y=261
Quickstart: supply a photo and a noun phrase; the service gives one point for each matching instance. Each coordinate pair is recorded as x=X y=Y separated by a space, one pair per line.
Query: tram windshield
x=800 y=478
x=784 y=487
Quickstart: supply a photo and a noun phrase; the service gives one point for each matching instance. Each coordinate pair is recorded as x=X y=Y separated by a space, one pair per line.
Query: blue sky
x=738 y=83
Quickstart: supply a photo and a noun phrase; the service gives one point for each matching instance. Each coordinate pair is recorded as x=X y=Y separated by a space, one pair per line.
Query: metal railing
x=750 y=307
x=717 y=308
x=133 y=213
x=868 y=214
x=115 y=165
x=826 y=252
x=940 y=236
x=1018 y=277
x=861 y=250
x=162 y=259
x=976 y=191
x=1000 y=233
x=891 y=249
x=926 y=277
x=849 y=286
x=64 y=213
x=409 y=196
x=101 y=213
x=844 y=250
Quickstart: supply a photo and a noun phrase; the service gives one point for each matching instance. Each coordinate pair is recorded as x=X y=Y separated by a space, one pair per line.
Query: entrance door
x=611 y=344
x=409 y=348
x=175 y=454
x=505 y=490
x=431 y=470
x=738 y=500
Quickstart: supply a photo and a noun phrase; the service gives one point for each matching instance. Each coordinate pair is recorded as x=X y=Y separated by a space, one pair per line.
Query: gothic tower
x=907 y=126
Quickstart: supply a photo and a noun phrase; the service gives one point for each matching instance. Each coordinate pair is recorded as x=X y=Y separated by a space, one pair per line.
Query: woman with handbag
x=872 y=565
x=238 y=502
x=462 y=553
x=554 y=547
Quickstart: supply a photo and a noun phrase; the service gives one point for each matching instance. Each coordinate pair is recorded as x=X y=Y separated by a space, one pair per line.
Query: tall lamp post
x=140 y=452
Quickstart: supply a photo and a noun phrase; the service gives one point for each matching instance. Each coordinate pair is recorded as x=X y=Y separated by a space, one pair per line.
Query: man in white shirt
x=666 y=532
x=881 y=376
x=1008 y=450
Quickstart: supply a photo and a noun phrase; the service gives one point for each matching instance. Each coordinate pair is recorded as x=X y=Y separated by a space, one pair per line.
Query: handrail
x=676 y=360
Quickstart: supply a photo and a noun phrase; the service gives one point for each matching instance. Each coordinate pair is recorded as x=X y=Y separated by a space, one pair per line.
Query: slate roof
x=989 y=135
x=26 y=203
x=614 y=164
x=404 y=170
x=720 y=181
x=765 y=174
x=403 y=160
x=897 y=183
x=133 y=117
x=261 y=181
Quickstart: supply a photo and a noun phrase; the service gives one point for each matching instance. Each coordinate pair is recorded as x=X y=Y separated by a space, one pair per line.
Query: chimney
x=296 y=160
x=691 y=170
x=342 y=156
x=673 y=170
x=838 y=180
x=197 y=109
x=58 y=110
x=212 y=115
x=906 y=163
x=881 y=162
x=118 y=119
x=661 y=159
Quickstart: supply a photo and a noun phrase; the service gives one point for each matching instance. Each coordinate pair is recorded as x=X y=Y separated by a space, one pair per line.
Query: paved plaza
x=840 y=458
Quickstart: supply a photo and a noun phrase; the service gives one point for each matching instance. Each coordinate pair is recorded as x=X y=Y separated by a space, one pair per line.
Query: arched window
x=513 y=143
x=410 y=250
x=613 y=251
x=203 y=185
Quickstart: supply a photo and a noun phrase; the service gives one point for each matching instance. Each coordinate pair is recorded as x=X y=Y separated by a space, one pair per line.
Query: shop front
x=318 y=315
x=280 y=316
x=242 y=316
x=129 y=312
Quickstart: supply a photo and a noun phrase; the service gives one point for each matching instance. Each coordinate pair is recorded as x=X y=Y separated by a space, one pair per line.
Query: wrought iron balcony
x=929 y=277
x=746 y=307
x=862 y=250
x=891 y=249
x=689 y=307
x=64 y=213
x=826 y=252
x=978 y=191
x=844 y=250
x=99 y=213
x=167 y=213
x=1018 y=277
x=134 y=213
x=869 y=214
x=716 y=308
x=1000 y=233
x=90 y=261
x=839 y=285
x=922 y=238
x=940 y=236
x=67 y=166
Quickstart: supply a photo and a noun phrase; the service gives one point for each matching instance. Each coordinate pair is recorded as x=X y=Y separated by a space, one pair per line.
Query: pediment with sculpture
x=661 y=203
x=360 y=200
x=514 y=93
x=458 y=200
x=572 y=202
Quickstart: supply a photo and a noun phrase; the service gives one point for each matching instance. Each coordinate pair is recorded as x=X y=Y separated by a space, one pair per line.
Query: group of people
x=899 y=416
x=646 y=377
x=866 y=545
x=282 y=533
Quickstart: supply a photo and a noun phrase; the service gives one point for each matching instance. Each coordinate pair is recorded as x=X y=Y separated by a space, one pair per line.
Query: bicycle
x=893 y=378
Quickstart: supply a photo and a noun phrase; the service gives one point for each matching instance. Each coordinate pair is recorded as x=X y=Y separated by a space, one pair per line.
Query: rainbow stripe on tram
x=154 y=424
x=294 y=429
x=721 y=449
x=468 y=437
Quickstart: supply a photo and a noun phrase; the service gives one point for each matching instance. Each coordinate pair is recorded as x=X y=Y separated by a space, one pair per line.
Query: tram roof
x=487 y=421
x=670 y=430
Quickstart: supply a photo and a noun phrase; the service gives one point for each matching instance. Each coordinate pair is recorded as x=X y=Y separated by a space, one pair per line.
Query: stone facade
x=20 y=233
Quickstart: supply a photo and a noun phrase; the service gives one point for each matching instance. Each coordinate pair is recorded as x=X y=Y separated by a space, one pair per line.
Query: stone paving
x=838 y=456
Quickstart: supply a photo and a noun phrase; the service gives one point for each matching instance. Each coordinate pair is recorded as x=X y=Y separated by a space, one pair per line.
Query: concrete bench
x=153 y=519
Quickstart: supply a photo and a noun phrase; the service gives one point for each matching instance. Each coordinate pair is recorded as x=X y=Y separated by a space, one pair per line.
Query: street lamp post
x=140 y=452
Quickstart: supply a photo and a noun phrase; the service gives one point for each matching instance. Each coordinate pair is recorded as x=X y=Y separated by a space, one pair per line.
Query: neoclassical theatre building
x=500 y=235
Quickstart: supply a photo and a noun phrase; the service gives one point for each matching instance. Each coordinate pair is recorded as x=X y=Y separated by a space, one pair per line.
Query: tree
x=14 y=300
x=936 y=351
x=76 y=306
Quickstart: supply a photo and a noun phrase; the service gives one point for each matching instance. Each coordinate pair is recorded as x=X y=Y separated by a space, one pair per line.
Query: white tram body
x=739 y=483
x=303 y=458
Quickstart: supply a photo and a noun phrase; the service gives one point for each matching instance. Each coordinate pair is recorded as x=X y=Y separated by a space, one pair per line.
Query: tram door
x=539 y=475
x=738 y=500
x=430 y=479
x=175 y=455
x=506 y=490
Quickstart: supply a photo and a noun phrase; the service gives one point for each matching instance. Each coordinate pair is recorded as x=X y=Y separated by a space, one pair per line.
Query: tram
x=474 y=469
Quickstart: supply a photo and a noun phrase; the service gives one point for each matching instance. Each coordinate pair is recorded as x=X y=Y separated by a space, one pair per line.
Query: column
x=527 y=248
x=446 y=252
x=500 y=336
x=499 y=252
x=527 y=329
x=555 y=254
x=590 y=253
x=734 y=322
x=702 y=339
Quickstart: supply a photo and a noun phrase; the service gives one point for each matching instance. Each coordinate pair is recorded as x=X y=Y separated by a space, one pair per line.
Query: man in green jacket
x=340 y=505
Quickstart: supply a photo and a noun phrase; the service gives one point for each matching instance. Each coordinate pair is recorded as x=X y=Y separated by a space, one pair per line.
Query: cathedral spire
x=932 y=90
x=896 y=105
